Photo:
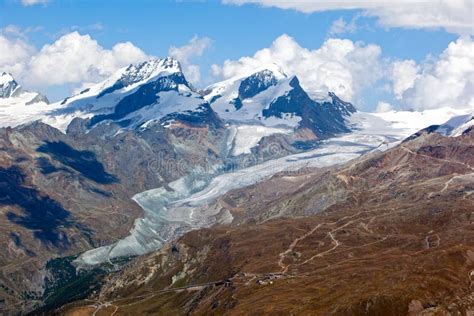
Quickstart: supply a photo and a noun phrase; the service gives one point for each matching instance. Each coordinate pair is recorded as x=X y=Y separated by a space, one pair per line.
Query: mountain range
x=157 y=91
x=144 y=168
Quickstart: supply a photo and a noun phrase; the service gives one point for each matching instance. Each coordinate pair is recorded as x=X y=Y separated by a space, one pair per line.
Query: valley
x=393 y=239
x=122 y=171
x=169 y=213
x=236 y=157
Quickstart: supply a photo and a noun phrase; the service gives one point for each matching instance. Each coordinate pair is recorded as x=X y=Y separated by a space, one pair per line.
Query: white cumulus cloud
x=453 y=15
x=72 y=59
x=76 y=58
x=447 y=80
x=184 y=54
x=403 y=75
x=15 y=54
x=339 y=65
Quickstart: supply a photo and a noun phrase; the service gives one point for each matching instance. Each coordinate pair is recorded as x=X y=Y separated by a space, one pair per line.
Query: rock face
x=390 y=233
x=324 y=119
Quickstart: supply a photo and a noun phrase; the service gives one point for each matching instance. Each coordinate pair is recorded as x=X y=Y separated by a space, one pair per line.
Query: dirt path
x=99 y=305
x=321 y=254
x=282 y=255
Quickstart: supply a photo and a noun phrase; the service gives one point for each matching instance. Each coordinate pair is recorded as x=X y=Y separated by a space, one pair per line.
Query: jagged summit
x=129 y=77
x=8 y=86
x=148 y=69
x=153 y=90
x=142 y=72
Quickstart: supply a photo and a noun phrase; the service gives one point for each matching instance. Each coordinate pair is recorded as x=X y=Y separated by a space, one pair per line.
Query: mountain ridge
x=103 y=100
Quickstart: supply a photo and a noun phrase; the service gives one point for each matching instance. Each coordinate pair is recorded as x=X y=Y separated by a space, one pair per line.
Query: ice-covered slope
x=461 y=124
x=271 y=98
x=456 y=126
x=18 y=106
x=133 y=96
x=105 y=95
x=255 y=91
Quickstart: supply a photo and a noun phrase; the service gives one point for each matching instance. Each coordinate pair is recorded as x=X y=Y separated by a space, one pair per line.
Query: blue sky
x=235 y=30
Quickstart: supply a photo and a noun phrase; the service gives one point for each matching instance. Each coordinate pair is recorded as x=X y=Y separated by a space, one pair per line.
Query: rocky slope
x=390 y=233
x=63 y=194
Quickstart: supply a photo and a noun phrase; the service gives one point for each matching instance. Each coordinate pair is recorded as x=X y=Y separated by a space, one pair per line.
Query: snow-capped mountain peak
x=269 y=97
x=257 y=82
x=134 y=96
x=6 y=77
x=8 y=86
x=128 y=78
x=18 y=106
x=264 y=76
x=149 y=69
x=273 y=68
x=12 y=93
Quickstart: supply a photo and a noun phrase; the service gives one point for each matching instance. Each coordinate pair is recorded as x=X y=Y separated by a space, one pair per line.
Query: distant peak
x=141 y=73
x=6 y=77
x=276 y=69
x=150 y=68
x=170 y=63
x=294 y=82
x=8 y=85
x=267 y=70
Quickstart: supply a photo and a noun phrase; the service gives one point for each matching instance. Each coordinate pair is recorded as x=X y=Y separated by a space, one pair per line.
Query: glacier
x=184 y=205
